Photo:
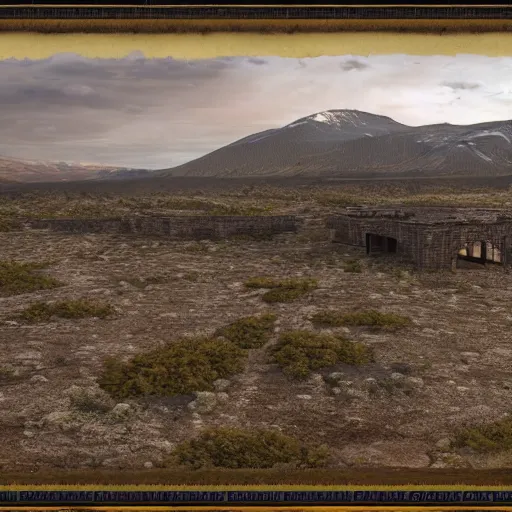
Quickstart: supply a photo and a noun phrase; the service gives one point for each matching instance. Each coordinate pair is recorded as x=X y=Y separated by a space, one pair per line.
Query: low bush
x=178 y=368
x=81 y=308
x=88 y=402
x=7 y=225
x=370 y=318
x=256 y=449
x=299 y=353
x=353 y=266
x=491 y=437
x=17 y=278
x=282 y=290
x=249 y=332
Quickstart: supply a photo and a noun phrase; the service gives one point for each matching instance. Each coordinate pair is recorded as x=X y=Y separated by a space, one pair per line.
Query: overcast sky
x=157 y=113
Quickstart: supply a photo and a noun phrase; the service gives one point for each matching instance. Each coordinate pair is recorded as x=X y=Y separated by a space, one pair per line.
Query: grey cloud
x=257 y=61
x=13 y=96
x=159 y=112
x=461 y=85
x=351 y=64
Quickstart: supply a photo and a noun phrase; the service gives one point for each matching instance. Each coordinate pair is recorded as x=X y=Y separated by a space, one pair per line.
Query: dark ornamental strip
x=433 y=498
x=233 y=12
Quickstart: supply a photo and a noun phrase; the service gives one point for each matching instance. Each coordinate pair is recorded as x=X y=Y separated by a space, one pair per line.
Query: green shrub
x=353 y=266
x=370 y=318
x=81 y=308
x=282 y=295
x=256 y=449
x=282 y=290
x=249 y=332
x=7 y=225
x=17 y=278
x=87 y=402
x=290 y=284
x=299 y=353
x=495 y=436
x=181 y=367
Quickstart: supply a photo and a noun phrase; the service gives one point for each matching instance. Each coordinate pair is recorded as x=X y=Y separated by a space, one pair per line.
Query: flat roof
x=430 y=215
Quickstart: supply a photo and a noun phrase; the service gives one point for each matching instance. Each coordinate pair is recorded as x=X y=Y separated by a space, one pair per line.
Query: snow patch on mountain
x=482 y=156
x=487 y=133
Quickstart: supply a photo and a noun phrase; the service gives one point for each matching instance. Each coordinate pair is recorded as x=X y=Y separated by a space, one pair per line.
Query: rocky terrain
x=449 y=368
x=350 y=143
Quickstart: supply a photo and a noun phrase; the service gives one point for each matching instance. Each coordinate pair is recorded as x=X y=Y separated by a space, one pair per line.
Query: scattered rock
x=168 y=315
x=148 y=465
x=316 y=380
x=444 y=444
x=38 y=378
x=335 y=376
x=402 y=368
x=28 y=433
x=469 y=357
x=221 y=384
x=29 y=356
x=121 y=411
x=305 y=397
x=405 y=454
x=60 y=419
x=357 y=394
x=450 y=460
x=205 y=402
x=413 y=383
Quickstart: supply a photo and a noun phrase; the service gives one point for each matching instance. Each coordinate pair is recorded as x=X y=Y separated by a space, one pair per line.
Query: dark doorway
x=379 y=244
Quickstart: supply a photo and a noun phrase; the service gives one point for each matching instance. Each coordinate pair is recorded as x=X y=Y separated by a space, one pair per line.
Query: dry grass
x=283 y=290
x=370 y=318
x=299 y=353
x=17 y=278
x=259 y=479
x=249 y=332
x=80 y=308
x=179 y=368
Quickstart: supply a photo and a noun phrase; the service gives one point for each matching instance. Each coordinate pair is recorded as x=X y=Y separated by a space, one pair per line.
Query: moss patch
x=236 y=448
x=495 y=436
x=299 y=353
x=250 y=331
x=178 y=368
x=370 y=318
x=282 y=290
x=81 y=308
x=17 y=278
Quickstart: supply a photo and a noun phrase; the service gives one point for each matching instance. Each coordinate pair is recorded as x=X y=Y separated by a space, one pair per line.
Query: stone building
x=431 y=238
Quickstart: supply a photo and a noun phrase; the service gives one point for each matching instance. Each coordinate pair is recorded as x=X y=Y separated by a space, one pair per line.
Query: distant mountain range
x=330 y=144
x=350 y=144
x=14 y=169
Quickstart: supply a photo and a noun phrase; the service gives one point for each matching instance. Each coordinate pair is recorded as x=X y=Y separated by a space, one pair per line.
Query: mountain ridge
x=351 y=143
x=34 y=171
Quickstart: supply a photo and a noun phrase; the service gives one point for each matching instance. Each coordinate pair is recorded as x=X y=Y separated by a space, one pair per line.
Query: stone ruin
x=185 y=227
x=431 y=238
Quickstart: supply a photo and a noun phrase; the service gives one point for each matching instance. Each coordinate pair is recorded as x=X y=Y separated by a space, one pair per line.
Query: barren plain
x=448 y=369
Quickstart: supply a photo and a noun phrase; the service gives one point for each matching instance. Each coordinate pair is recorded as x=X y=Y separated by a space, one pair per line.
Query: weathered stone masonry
x=429 y=237
x=175 y=228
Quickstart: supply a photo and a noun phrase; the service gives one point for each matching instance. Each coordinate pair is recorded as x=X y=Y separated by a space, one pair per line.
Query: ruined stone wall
x=352 y=231
x=175 y=228
x=442 y=242
x=432 y=246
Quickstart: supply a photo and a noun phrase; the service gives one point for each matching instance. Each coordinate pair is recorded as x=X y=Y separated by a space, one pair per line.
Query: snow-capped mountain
x=350 y=143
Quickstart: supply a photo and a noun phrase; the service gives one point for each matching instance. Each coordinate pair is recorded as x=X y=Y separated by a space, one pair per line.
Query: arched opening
x=481 y=252
x=379 y=244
